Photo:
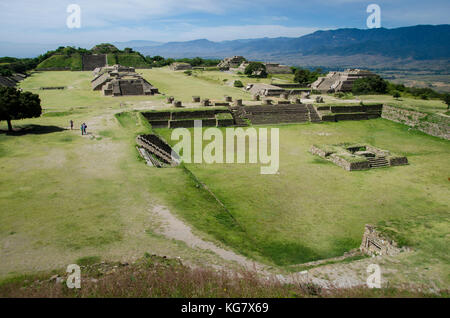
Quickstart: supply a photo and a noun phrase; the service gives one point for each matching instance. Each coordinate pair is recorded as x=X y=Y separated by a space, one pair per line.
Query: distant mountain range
x=415 y=47
x=401 y=47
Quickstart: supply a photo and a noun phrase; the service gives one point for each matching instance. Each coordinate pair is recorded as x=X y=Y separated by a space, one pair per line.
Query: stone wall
x=91 y=62
x=375 y=243
x=131 y=88
x=189 y=123
x=347 y=165
x=417 y=120
x=277 y=114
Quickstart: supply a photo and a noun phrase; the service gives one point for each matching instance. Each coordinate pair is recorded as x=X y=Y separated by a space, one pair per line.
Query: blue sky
x=44 y=22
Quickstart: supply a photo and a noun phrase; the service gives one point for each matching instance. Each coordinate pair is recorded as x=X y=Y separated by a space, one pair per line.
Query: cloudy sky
x=44 y=21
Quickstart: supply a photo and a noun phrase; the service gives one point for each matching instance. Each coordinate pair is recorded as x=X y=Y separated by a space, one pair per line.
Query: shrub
x=370 y=85
x=238 y=84
x=446 y=99
x=396 y=94
x=305 y=77
x=188 y=72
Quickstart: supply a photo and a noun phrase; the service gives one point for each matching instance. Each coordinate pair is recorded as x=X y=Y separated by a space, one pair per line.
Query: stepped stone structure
x=156 y=151
x=358 y=156
x=231 y=62
x=180 y=66
x=271 y=68
x=271 y=114
x=121 y=81
x=264 y=89
x=185 y=119
x=91 y=62
x=275 y=68
x=114 y=68
x=340 y=81
x=11 y=81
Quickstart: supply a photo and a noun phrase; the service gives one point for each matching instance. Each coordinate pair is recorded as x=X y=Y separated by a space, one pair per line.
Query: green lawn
x=428 y=106
x=65 y=197
x=183 y=87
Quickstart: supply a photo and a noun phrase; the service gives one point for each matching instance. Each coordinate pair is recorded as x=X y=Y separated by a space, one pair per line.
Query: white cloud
x=44 y=21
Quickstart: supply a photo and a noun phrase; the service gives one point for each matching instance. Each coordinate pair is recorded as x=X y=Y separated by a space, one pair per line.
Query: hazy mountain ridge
x=407 y=44
x=416 y=47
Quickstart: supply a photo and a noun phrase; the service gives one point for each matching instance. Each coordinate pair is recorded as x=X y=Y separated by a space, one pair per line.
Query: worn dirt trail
x=176 y=229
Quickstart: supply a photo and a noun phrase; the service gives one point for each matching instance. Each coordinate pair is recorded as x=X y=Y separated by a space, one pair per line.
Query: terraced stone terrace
x=216 y=117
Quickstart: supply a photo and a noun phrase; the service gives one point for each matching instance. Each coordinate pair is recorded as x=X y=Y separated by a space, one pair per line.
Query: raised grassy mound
x=71 y=59
x=60 y=62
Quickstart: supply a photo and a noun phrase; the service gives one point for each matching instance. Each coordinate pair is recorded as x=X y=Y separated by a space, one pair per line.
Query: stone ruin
x=231 y=62
x=275 y=89
x=186 y=118
x=266 y=114
x=177 y=66
x=121 y=81
x=340 y=81
x=11 y=81
x=114 y=68
x=374 y=243
x=271 y=68
x=358 y=156
x=264 y=89
x=156 y=151
x=275 y=68
x=91 y=62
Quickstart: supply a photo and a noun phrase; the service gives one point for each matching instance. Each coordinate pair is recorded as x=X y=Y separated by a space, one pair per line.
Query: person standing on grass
x=82 y=129
x=71 y=124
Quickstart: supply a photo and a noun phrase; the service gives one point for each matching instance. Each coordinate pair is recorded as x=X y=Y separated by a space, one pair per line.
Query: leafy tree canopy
x=306 y=77
x=15 y=105
x=256 y=69
x=370 y=85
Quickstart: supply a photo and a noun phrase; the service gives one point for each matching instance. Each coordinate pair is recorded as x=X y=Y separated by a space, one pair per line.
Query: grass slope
x=73 y=62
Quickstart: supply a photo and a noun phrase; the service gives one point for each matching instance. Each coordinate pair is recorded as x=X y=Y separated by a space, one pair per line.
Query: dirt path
x=176 y=229
x=331 y=276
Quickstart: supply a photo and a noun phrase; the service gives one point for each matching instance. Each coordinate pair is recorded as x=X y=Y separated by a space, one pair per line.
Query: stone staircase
x=156 y=147
x=378 y=162
x=239 y=116
x=313 y=115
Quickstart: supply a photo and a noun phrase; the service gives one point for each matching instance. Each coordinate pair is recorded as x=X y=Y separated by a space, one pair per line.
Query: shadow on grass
x=32 y=130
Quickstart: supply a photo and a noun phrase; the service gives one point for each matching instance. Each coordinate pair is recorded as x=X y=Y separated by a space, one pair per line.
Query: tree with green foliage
x=396 y=94
x=446 y=99
x=370 y=85
x=15 y=105
x=305 y=77
x=256 y=69
x=302 y=77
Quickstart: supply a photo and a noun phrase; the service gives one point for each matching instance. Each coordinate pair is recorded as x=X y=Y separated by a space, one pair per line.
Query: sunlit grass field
x=64 y=196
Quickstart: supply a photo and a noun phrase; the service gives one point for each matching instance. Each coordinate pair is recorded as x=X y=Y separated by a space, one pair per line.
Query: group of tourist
x=83 y=127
